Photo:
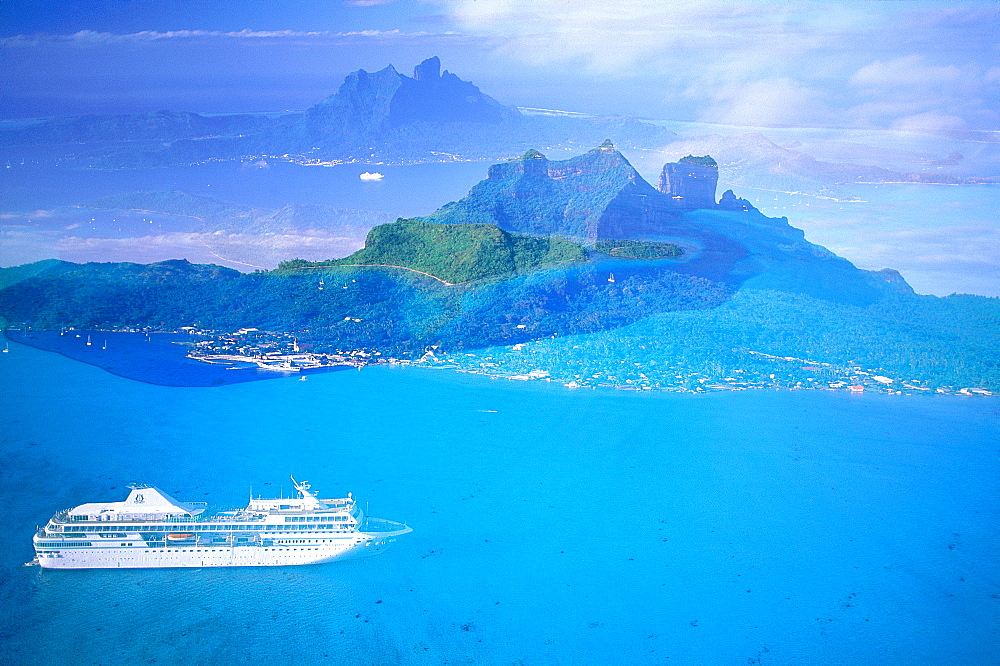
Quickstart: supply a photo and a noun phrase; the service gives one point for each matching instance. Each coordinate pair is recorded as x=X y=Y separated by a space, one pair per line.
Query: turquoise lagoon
x=550 y=526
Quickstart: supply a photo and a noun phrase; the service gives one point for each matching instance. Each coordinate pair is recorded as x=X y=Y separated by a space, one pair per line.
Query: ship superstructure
x=150 y=529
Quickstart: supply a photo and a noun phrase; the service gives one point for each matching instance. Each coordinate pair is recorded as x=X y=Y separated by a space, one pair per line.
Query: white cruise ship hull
x=194 y=556
x=151 y=530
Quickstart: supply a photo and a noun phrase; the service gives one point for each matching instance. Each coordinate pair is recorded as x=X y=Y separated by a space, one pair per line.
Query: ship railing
x=61 y=516
x=381 y=525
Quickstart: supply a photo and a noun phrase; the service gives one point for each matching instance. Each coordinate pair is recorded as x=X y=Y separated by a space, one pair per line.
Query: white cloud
x=929 y=121
x=912 y=93
x=606 y=37
x=739 y=58
x=767 y=102
x=906 y=71
x=90 y=37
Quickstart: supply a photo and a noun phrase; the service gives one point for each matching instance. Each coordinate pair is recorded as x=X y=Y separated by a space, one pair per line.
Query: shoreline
x=169 y=361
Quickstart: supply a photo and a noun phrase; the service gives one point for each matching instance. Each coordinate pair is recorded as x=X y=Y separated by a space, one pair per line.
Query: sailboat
x=6 y=347
x=611 y=278
x=88 y=341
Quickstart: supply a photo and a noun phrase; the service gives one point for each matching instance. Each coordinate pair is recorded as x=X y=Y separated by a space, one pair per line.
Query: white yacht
x=150 y=529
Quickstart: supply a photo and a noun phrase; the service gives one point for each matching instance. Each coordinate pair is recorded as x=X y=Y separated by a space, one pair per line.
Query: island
x=576 y=271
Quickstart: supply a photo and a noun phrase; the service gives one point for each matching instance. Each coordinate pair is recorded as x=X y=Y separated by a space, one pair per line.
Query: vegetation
x=763 y=338
x=453 y=253
x=633 y=249
x=654 y=327
x=703 y=161
x=398 y=312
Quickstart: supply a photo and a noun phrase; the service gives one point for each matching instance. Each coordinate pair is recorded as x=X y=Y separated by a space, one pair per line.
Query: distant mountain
x=369 y=104
x=384 y=116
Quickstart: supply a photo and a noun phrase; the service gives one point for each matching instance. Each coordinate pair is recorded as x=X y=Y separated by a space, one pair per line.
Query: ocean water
x=550 y=526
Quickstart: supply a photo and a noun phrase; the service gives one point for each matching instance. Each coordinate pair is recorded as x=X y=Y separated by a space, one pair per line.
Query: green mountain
x=454 y=253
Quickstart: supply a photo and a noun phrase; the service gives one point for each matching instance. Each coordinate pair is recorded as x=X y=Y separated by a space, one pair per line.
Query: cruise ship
x=150 y=529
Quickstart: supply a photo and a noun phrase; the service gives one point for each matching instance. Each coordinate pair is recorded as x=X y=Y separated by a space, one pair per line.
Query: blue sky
x=910 y=64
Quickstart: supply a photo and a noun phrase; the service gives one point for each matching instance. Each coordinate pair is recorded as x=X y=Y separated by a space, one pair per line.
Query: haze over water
x=550 y=526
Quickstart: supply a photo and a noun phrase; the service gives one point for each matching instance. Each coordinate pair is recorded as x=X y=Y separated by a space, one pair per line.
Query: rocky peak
x=730 y=201
x=373 y=102
x=532 y=163
x=433 y=96
x=428 y=70
x=691 y=182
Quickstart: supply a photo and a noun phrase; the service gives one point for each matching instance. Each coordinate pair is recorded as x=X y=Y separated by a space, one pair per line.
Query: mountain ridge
x=382 y=116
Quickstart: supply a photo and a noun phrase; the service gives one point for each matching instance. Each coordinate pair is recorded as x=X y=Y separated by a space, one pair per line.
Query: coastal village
x=526 y=362
x=268 y=350
x=281 y=352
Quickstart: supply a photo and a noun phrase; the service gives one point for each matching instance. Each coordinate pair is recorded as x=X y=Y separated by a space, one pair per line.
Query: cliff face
x=690 y=182
x=535 y=195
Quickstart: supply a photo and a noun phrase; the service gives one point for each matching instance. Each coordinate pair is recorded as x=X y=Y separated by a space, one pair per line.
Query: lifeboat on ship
x=180 y=536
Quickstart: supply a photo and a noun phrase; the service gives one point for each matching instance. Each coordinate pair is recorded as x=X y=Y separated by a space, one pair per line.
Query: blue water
x=550 y=526
x=154 y=358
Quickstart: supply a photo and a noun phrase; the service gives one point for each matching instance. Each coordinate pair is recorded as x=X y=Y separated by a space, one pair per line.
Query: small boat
x=88 y=341
x=180 y=536
x=303 y=378
x=611 y=278
x=6 y=348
